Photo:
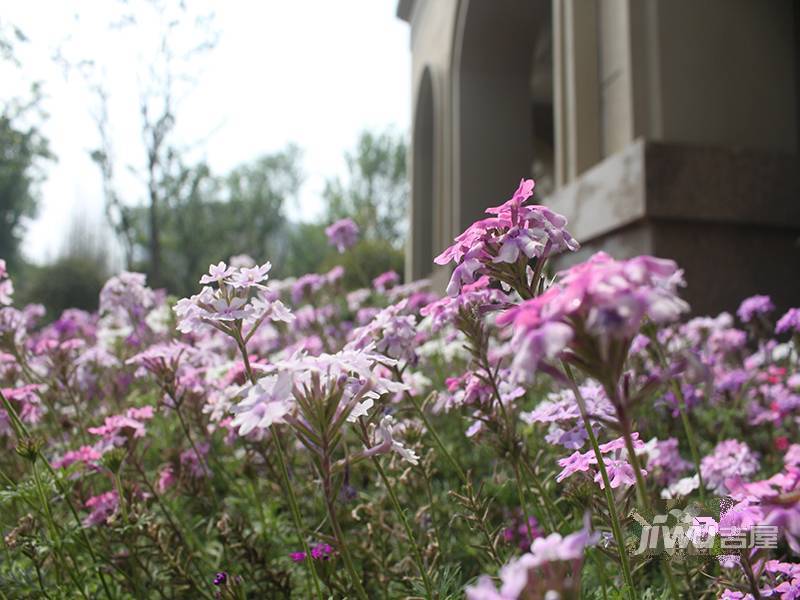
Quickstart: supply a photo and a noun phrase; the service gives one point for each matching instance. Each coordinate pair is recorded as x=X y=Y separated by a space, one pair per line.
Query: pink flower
x=342 y=234
x=620 y=472
x=118 y=428
x=594 y=303
x=511 y=206
x=384 y=281
x=85 y=454
x=516 y=230
x=101 y=508
x=166 y=479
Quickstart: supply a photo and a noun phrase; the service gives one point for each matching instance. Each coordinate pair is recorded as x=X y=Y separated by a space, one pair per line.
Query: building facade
x=666 y=127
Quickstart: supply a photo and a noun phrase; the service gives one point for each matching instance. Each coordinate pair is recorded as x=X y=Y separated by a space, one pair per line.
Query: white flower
x=681 y=488
x=361 y=409
x=158 y=319
x=386 y=431
x=267 y=402
x=274 y=311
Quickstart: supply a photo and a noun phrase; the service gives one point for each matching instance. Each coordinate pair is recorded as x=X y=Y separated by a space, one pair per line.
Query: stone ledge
x=652 y=180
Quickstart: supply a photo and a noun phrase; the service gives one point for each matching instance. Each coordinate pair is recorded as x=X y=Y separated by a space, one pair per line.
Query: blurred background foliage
x=185 y=217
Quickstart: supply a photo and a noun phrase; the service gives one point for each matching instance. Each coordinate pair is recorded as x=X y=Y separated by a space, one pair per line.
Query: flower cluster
x=593 y=305
x=500 y=245
x=620 y=470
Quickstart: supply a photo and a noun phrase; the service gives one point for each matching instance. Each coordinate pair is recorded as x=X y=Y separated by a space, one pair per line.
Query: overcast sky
x=312 y=72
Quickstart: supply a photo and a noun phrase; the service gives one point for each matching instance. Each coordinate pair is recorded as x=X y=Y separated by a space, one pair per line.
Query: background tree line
x=184 y=216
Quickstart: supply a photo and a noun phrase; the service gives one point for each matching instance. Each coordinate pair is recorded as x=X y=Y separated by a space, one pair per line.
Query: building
x=667 y=127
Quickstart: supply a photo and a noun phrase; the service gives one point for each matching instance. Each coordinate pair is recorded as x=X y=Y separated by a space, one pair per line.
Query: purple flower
x=101 y=508
x=789 y=322
x=342 y=234
x=217 y=274
x=560 y=412
x=251 y=277
x=220 y=578
x=392 y=333
x=730 y=459
x=514 y=230
x=665 y=461
x=126 y=296
x=754 y=306
x=385 y=281
x=321 y=552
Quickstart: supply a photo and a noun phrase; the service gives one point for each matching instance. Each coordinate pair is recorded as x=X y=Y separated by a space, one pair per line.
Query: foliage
x=365 y=261
x=375 y=194
x=22 y=150
x=205 y=216
x=74 y=278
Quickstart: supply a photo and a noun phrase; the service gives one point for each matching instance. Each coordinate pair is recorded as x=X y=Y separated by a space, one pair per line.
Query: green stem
x=87 y=542
x=123 y=504
x=612 y=509
x=601 y=571
x=431 y=430
x=284 y=470
x=552 y=510
x=641 y=491
x=339 y=535
x=687 y=424
x=521 y=496
x=171 y=519
x=298 y=522
x=41 y=581
x=409 y=533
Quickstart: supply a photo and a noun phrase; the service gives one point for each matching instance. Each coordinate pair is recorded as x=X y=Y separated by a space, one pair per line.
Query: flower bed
x=529 y=435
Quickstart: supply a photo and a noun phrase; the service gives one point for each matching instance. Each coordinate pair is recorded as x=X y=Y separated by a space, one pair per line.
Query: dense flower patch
x=520 y=437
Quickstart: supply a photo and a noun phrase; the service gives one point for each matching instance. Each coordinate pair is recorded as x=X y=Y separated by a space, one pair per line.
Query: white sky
x=312 y=72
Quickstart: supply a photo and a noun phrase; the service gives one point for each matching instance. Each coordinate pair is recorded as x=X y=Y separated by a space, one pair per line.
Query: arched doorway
x=494 y=112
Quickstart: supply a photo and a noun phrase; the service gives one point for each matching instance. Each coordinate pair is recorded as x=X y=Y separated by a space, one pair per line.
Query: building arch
x=493 y=50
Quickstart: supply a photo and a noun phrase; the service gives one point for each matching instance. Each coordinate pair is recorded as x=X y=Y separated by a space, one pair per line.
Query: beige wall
x=727 y=70
x=708 y=72
x=432 y=30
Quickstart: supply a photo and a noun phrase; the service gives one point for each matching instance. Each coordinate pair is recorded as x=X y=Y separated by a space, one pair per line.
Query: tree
x=77 y=275
x=22 y=149
x=180 y=33
x=206 y=218
x=376 y=191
